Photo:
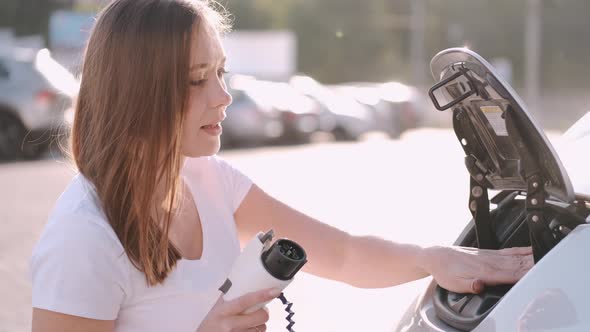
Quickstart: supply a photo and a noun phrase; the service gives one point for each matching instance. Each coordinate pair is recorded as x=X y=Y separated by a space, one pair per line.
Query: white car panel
x=553 y=296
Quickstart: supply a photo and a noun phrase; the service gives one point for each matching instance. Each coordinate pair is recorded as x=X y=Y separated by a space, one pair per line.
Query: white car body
x=30 y=72
x=553 y=295
x=34 y=92
x=547 y=299
x=341 y=114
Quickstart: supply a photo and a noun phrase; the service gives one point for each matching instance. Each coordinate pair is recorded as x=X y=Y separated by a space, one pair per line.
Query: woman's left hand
x=469 y=270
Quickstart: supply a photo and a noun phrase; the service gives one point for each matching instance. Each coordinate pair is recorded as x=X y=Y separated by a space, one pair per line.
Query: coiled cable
x=288 y=310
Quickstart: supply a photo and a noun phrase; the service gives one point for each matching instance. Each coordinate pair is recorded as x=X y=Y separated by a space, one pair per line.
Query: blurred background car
x=341 y=115
x=336 y=42
x=34 y=92
x=394 y=105
x=406 y=101
x=271 y=112
x=249 y=121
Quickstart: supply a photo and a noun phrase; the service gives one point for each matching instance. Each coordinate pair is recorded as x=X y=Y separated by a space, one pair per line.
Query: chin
x=202 y=151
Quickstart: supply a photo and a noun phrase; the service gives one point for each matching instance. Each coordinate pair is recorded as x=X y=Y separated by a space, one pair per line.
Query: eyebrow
x=199 y=66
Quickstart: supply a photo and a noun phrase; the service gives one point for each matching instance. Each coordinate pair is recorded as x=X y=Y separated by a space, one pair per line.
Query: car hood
x=500 y=138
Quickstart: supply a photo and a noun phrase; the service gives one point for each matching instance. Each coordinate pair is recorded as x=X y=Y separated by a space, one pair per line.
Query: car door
x=8 y=89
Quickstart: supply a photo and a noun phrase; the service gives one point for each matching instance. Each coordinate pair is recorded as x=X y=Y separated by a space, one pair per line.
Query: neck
x=161 y=192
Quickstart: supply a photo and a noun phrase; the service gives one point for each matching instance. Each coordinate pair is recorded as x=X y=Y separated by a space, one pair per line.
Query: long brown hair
x=129 y=114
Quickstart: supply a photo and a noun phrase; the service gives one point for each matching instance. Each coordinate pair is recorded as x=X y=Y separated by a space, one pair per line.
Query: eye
x=221 y=72
x=198 y=82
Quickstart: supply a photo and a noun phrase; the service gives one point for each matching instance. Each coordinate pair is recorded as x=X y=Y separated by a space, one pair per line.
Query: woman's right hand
x=229 y=316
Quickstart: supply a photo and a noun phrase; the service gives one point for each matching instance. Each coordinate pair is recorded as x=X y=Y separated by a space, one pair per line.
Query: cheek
x=196 y=108
x=192 y=124
x=191 y=120
x=194 y=142
x=190 y=136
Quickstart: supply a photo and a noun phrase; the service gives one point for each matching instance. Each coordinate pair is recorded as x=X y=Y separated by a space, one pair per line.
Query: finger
x=520 y=261
x=468 y=285
x=517 y=251
x=477 y=286
x=505 y=262
x=259 y=328
x=266 y=309
x=218 y=304
x=242 y=303
x=510 y=272
x=248 y=321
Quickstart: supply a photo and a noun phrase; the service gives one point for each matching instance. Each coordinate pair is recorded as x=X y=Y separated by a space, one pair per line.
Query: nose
x=222 y=97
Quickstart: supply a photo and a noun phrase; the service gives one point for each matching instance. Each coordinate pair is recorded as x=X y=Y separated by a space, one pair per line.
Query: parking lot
x=413 y=190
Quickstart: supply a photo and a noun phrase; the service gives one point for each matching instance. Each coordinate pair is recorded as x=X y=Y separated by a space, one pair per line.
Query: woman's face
x=208 y=96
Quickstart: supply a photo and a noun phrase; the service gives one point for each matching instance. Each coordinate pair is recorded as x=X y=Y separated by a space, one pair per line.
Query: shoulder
x=78 y=266
x=78 y=219
x=77 y=231
x=214 y=171
x=78 y=238
x=65 y=233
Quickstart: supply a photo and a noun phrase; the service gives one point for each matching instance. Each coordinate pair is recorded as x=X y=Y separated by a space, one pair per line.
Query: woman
x=143 y=237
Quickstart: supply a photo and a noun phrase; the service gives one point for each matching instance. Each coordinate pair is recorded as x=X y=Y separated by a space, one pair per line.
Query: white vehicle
x=394 y=105
x=342 y=115
x=249 y=120
x=34 y=92
x=298 y=115
x=537 y=205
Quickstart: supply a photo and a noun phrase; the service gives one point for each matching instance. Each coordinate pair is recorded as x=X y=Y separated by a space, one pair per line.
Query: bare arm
x=366 y=262
x=50 y=321
x=371 y=262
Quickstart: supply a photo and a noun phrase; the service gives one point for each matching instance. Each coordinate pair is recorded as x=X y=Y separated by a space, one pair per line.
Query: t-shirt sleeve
x=77 y=269
x=238 y=184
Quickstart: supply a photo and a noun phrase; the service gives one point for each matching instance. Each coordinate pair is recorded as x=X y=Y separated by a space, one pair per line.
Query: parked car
x=249 y=121
x=406 y=100
x=385 y=116
x=34 y=92
x=394 y=105
x=340 y=114
x=542 y=202
x=298 y=114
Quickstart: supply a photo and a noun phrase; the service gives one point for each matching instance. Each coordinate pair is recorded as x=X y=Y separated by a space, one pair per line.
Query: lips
x=211 y=126
x=212 y=129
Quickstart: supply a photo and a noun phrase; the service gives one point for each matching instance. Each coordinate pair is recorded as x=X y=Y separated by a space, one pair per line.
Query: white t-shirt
x=79 y=267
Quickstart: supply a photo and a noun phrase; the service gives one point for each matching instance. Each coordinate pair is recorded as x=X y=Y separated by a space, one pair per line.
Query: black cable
x=288 y=310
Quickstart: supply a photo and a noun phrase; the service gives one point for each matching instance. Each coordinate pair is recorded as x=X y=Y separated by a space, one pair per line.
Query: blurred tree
x=351 y=40
x=345 y=40
x=8 y=13
x=566 y=44
x=249 y=14
x=338 y=40
x=29 y=17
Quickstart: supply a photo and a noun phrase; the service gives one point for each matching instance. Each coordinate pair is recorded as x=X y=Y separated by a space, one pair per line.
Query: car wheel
x=341 y=134
x=33 y=146
x=395 y=133
x=15 y=143
x=12 y=133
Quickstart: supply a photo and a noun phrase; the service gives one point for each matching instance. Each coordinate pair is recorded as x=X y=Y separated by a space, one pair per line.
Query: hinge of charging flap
x=477 y=170
x=535 y=208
